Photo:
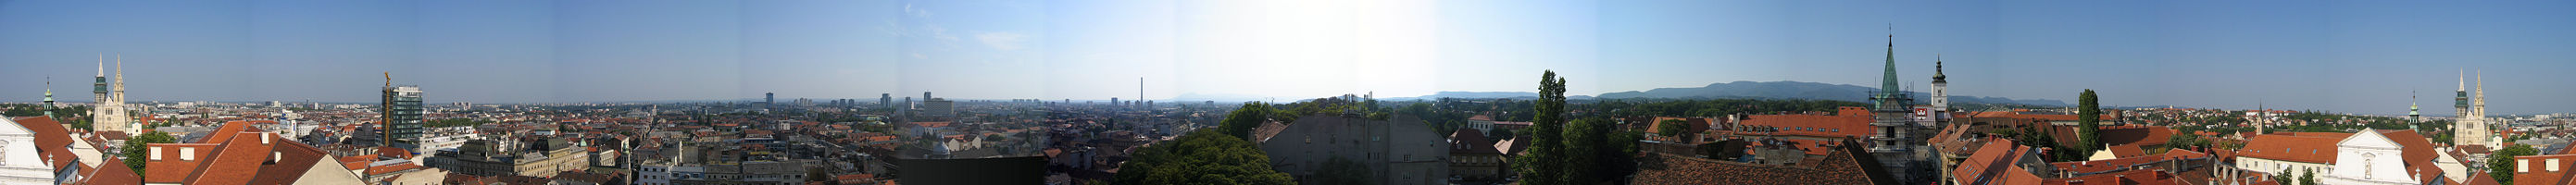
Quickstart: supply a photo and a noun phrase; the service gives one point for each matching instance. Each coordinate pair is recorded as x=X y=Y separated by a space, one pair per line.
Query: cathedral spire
x=120 y=77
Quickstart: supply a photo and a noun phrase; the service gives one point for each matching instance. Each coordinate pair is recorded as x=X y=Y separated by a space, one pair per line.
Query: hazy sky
x=2346 y=56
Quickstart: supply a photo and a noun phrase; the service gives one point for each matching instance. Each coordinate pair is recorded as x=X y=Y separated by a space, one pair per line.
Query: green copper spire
x=1887 y=87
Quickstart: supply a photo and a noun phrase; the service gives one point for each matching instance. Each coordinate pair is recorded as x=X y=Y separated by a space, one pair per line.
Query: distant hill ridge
x=1754 y=90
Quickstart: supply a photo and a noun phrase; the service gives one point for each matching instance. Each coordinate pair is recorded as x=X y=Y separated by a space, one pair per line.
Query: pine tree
x=2088 y=118
x=1544 y=162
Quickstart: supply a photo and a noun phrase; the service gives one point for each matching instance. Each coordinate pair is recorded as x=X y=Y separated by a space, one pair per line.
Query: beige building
x=497 y=157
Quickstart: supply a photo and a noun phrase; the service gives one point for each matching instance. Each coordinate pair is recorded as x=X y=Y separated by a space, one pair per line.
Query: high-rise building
x=936 y=107
x=402 y=114
x=770 y=98
x=885 y=99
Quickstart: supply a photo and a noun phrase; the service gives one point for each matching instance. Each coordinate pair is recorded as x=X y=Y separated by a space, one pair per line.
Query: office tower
x=402 y=114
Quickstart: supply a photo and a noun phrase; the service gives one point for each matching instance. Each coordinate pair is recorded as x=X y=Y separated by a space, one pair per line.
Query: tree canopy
x=134 y=148
x=2501 y=162
x=1240 y=123
x=1201 y=158
x=1673 y=128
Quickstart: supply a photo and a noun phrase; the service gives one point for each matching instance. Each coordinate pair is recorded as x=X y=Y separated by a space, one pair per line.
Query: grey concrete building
x=1400 y=150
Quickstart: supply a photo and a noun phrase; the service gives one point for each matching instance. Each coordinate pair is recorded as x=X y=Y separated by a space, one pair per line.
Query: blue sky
x=2345 y=56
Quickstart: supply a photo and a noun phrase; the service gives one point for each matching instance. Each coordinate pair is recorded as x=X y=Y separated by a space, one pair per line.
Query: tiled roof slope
x=1840 y=167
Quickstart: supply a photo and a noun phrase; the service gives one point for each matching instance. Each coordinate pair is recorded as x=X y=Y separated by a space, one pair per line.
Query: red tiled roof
x=398 y=167
x=1470 y=141
x=292 y=159
x=172 y=163
x=2306 y=147
x=245 y=156
x=222 y=132
x=1826 y=126
x=111 y=171
x=356 y=162
x=1993 y=163
x=53 y=139
x=236 y=161
x=1840 y=167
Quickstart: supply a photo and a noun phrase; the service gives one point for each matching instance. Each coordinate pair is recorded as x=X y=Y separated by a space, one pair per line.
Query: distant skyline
x=2341 y=56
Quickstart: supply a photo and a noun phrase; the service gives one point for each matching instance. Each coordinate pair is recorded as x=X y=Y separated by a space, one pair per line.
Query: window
x=2521 y=165
x=2553 y=165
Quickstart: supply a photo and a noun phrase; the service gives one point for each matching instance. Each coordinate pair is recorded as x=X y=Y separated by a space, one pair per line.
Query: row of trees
x=77 y=116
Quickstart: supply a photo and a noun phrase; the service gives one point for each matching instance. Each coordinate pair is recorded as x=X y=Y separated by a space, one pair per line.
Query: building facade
x=402 y=115
x=110 y=113
x=1400 y=150
x=497 y=158
x=2471 y=129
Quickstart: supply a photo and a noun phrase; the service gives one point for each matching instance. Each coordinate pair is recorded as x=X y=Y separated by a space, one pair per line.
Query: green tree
x=1618 y=156
x=2185 y=141
x=2283 y=177
x=1583 y=145
x=1201 y=158
x=134 y=148
x=1673 y=128
x=1340 y=170
x=2088 y=119
x=2307 y=177
x=1240 y=123
x=2500 y=164
x=1543 y=164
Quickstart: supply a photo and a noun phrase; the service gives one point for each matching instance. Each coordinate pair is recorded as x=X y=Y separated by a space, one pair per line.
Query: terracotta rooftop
x=1840 y=167
x=2306 y=147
